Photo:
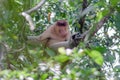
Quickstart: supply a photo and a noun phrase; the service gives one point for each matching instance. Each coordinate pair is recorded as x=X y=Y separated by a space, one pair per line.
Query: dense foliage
x=96 y=59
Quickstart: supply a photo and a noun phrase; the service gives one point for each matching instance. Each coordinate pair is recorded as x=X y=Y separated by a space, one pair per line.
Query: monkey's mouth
x=61 y=23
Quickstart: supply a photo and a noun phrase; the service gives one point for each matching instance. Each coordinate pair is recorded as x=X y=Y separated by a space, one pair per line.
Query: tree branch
x=28 y=17
x=91 y=32
x=36 y=7
x=82 y=19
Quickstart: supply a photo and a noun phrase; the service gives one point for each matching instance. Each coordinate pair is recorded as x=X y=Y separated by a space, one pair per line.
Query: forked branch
x=27 y=16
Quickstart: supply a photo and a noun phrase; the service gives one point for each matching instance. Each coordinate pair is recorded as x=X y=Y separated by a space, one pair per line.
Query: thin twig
x=18 y=50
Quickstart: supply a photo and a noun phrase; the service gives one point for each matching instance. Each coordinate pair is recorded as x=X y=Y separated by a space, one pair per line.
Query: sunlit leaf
x=99 y=16
x=61 y=58
x=44 y=76
x=96 y=56
x=61 y=50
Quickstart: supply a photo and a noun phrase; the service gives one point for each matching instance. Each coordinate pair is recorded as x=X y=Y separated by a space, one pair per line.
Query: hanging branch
x=82 y=19
x=28 y=17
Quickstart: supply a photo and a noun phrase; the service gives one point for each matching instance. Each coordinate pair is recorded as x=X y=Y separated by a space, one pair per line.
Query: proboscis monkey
x=58 y=32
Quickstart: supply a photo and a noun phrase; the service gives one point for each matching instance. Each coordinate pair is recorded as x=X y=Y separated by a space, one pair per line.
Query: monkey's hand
x=75 y=39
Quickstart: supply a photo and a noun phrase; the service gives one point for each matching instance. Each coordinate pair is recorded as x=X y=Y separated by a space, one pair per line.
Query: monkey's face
x=62 y=28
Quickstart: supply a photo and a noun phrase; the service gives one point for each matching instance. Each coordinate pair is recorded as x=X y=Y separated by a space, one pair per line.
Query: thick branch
x=100 y=24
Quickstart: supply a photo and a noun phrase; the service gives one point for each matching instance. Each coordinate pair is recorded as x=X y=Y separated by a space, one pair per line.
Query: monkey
x=58 y=32
x=57 y=35
x=68 y=40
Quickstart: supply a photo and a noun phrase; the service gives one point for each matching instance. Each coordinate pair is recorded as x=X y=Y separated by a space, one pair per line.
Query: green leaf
x=50 y=52
x=61 y=58
x=105 y=12
x=99 y=16
x=61 y=50
x=44 y=76
x=114 y=2
x=100 y=49
x=96 y=56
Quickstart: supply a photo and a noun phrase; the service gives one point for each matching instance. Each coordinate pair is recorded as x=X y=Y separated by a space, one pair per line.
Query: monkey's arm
x=71 y=43
x=34 y=40
x=55 y=46
x=42 y=38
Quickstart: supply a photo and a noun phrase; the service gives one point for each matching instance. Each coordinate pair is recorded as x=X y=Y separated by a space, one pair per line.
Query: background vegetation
x=97 y=59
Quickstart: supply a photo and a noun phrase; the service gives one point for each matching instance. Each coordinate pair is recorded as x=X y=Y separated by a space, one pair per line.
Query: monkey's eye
x=61 y=23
